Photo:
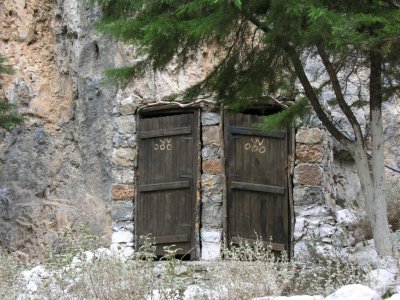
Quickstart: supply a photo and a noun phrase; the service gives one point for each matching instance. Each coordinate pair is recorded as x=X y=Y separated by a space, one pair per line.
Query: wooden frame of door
x=288 y=186
x=161 y=111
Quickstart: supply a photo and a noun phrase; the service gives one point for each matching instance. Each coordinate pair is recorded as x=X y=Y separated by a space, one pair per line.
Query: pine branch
x=338 y=92
x=309 y=91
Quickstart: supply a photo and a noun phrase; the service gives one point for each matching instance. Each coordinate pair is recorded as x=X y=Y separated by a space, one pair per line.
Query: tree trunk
x=371 y=171
x=375 y=201
x=378 y=206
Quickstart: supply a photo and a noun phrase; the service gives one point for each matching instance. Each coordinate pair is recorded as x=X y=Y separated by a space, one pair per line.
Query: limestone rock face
x=55 y=169
x=60 y=166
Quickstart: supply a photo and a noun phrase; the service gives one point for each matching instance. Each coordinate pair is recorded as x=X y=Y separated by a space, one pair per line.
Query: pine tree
x=265 y=48
x=8 y=116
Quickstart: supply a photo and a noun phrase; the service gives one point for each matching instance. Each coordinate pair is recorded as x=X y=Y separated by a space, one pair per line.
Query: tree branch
x=252 y=19
x=309 y=91
x=338 y=93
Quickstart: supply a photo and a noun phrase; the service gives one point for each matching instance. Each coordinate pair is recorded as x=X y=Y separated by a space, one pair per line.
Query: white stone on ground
x=33 y=279
x=381 y=280
x=354 y=292
x=297 y=297
x=194 y=292
x=366 y=257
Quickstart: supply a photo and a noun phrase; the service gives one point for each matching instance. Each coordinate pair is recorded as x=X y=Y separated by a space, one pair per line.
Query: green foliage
x=252 y=37
x=3 y=68
x=323 y=275
x=288 y=117
x=8 y=114
x=10 y=267
x=72 y=241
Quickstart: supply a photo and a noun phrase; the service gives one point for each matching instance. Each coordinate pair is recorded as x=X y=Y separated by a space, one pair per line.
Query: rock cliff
x=59 y=167
x=55 y=168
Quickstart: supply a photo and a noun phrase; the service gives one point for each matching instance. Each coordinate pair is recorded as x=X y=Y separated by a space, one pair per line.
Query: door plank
x=164 y=186
x=256 y=132
x=258 y=187
x=171 y=239
x=273 y=246
x=163 y=132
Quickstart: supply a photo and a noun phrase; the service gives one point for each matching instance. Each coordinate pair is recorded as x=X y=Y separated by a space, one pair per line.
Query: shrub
x=10 y=268
x=102 y=275
x=249 y=271
x=393 y=203
x=74 y=240
x=324 y=275
x=363 y=225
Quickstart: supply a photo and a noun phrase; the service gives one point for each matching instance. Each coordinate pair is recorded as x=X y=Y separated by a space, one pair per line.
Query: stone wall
x=123 y=178
x=211 y=186
x=74 y=159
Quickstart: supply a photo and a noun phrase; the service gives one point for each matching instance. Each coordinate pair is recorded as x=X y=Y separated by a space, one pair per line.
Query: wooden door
x=257 y=184
x=166 y=180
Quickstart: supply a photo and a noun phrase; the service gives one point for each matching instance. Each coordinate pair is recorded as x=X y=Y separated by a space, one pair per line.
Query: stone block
x=127 y=106
x=125 y=124
x=211 y=235
x=122 y=192
x=123 y=176
x=211 y=135
x=124 y=140
x=210 y=251
x=307 y=195
x=122 y=211
x=122 y=236
x=215 y=197
x=308 y=174
x=211 y=183
x=124 y=157
x=212 y=166
x=346 y=217
x=211 y=152
x=326 y=230
x=309 y=152
x=210 y=118
x=211 y=215
x=309 y=136
x=300 y=228
x=320 y=212
x=126 y=225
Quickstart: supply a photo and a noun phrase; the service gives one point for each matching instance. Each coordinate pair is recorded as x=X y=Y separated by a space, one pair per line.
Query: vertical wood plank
x=168 y=173
x=238 y=161
x=247 y=166
x=230 y=150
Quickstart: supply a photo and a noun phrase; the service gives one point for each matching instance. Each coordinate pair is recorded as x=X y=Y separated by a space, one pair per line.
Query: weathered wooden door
x=166 y=179
x=257 y=189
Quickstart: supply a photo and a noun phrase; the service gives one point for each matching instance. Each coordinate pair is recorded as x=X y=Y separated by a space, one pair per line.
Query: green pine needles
x=262 y=44
x=8 y=114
